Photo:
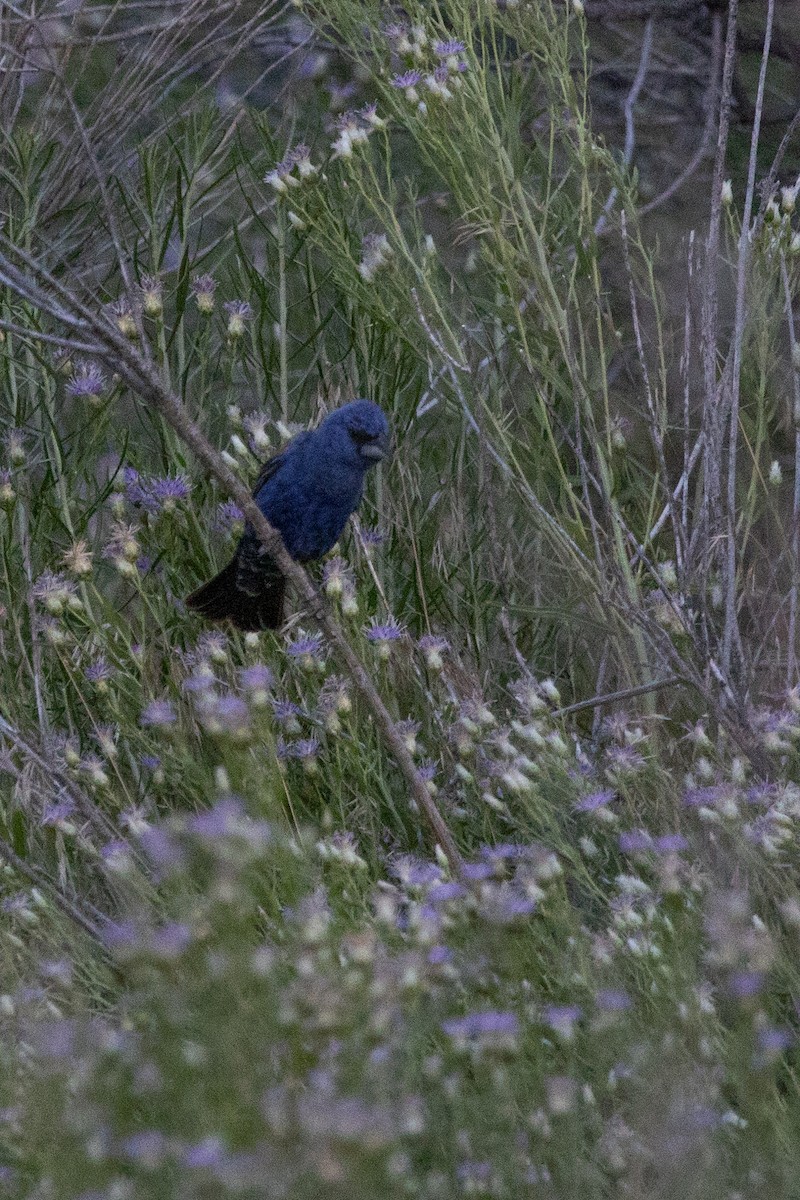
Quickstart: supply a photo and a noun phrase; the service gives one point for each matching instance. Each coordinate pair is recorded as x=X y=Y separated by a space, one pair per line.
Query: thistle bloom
x=98 y=673
x=78 y=559
x=87 y=382
x=433 y=648
x=369 y=115
x=158 y=713
x=437 y=83
x=228 y=518
x=15 y=447
x=239 y=313
x=408 y=83
x=168 y=490
x=300 y=158
x=595 y=801
x=307 y=649
x=123 y=549
x=152 y=290
x=451 y=50
x=483 y=1030
x=280 y=177
x=286 y=714
x=383 y=634
x=123 y=317
x=351 y=132
x=306 y=751
x=7 y=493
x=256 y=426
x=375 y=253
x=54 y=592
x=257 y=681
x=337 y=578
x=203 y=288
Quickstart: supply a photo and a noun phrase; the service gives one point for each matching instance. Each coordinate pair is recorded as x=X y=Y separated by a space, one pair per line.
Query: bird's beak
x=377 y=451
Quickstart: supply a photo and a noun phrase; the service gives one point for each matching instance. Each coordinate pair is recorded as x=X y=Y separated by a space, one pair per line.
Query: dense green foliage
x=231 y=962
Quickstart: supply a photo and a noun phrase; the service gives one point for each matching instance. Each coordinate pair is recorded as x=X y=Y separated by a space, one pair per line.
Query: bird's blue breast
x=309 y=500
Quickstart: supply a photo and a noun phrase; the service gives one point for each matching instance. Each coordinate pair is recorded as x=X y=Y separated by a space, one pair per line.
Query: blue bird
x=307 y=492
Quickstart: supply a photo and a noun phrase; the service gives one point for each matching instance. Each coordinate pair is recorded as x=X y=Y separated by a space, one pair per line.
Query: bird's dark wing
x=249 y=590
x=268 y=469
x=273 y=464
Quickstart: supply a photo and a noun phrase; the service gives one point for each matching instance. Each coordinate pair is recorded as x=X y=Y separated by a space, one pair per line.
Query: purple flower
x=147 y=1148
x=670 y=843
x=433 y=648
x=624 y=760
x=505 y=904
x=286 y=714
x=210 y=1152
x=561 y=1018
x=413 y=872
x=504 y=850
x=595 y=800
x=448 y=49
x=98 y=671
x=304 y=749
x=387 y=631
x=442 y=893
x=746 y=984
x=158 y=713
x=228 y=515
x=203 y=288
x=239 y=313
x=229 y=715
x=762 y=793
x=167 y=490
x=257 y=678
x=135 y=491
x=491 y=1029
x=308 y=646
x=703 y=796
x=477 y=871
x=88 y=382
x=774 y=1040
x=633 y=841
x=371 y=536
x=56 y=1039
x=612 y=1000
x=220 y=821
x=54 y=814
x=121 y=935
x=409 y=79
x=171 y=940
x=161 y=847
x=475 y=1177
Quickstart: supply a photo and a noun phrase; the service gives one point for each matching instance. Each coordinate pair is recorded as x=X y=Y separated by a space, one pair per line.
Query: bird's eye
x=361 y=437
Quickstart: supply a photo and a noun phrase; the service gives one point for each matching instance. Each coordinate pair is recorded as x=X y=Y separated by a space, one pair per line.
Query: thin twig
x=612 y=697
x=712 y=98
x=731 y=636
x=630 y=129
x=706 y=533
x=791 y=655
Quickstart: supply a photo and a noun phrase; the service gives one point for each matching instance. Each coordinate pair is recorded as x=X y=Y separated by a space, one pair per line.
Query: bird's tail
x=222 y=599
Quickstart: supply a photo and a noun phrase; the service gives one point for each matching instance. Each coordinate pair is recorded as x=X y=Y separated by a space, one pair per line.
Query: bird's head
x=361 y=433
